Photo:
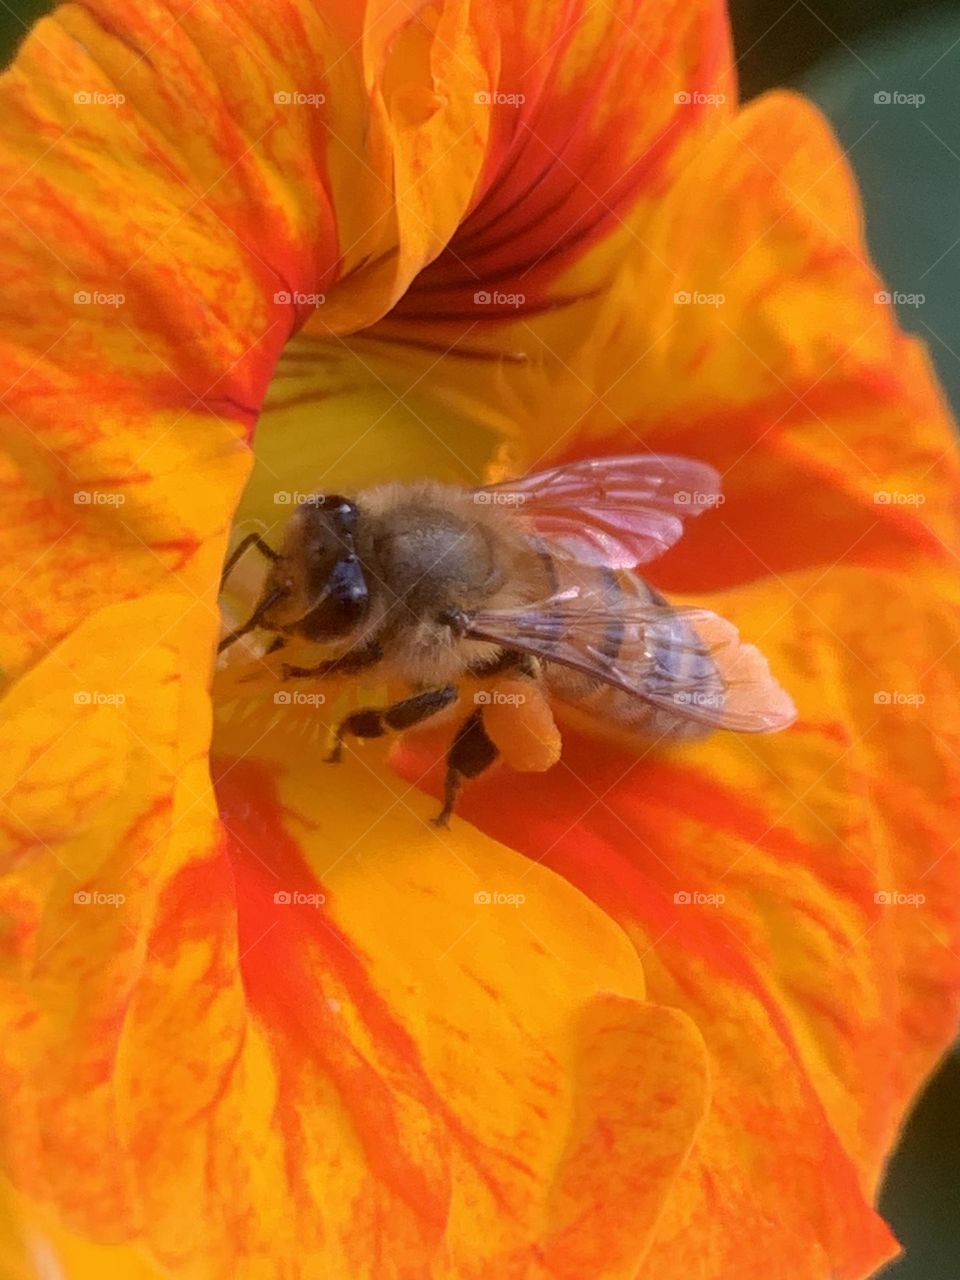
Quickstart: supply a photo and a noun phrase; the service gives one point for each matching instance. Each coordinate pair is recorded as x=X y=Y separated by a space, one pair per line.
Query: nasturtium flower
x=644 y=1014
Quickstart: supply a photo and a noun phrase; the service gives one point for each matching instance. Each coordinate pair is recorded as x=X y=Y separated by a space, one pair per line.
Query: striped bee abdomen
x=663 y=654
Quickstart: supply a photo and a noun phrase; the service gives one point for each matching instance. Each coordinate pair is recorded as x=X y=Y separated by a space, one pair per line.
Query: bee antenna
x=255 y=618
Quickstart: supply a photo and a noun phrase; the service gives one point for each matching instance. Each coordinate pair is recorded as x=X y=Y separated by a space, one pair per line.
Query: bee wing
x=618 y=511
x=688 y=661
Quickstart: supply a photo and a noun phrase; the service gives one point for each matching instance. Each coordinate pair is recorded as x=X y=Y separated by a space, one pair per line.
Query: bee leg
x=346 y=664
x=254 y=620
x=251 y=540
x=508 y=661
x=470 y=753
x=374 y=722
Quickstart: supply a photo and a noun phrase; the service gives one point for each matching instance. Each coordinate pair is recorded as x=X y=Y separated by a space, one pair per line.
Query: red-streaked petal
x=266 y=1018
x=771 y=888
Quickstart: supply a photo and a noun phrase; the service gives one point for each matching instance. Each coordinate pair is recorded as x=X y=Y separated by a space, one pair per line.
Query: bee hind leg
x=471 y=752
x=374 y=722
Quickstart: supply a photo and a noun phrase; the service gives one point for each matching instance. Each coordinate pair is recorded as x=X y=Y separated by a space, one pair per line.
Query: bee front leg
x=374 y=722
x=470 y=754
x=350 y=663
x=251 y=624
x=251 y=540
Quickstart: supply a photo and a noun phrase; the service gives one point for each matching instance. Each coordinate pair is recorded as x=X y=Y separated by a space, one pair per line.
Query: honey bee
x=534 y=578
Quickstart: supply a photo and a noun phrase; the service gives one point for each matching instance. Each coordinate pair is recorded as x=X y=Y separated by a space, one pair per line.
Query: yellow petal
x=267 y=1028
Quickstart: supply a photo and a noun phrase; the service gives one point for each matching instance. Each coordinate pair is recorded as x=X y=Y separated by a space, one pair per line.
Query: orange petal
x=129 y=393
x=267 y=1029
x=800 y=387
x=285 y=1080
x=106 y=789
x=575 y=160
x=781 y=369
x=795 y=895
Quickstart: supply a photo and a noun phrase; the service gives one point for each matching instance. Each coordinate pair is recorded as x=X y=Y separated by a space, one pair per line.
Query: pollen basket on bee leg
x=519 y=721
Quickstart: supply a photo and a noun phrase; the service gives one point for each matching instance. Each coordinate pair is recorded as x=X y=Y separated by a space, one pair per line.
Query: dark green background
x=908 y=163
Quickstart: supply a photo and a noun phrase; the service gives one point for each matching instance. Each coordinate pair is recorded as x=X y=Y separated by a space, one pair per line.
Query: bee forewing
x=702 y=670
x=690 y=662
x=618 y=511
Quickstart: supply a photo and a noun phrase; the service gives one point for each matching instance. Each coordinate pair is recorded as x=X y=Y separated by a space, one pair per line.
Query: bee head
x=328 y=587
